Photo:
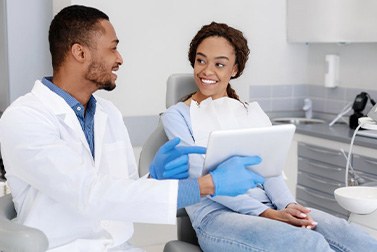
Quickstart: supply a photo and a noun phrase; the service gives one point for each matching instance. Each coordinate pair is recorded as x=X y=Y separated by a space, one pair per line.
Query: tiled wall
x=273 y=98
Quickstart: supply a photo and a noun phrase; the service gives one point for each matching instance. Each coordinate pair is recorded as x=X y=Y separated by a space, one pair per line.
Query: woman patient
x=266 y=218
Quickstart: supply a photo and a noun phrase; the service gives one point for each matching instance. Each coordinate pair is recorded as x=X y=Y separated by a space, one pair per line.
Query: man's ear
x=79 y=52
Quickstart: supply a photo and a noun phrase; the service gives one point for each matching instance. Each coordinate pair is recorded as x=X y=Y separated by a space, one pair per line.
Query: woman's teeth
x=208 y=82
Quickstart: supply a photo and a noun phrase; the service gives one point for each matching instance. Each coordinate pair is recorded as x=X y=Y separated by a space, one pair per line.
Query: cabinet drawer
x=365 y=164
x=321 y=169
x=315 y=197
x=325 y=155
x=318 y=183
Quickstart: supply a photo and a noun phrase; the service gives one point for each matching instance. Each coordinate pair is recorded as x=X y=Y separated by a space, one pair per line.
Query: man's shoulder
x=30 y=100
x=26 y=101
x=26 y=109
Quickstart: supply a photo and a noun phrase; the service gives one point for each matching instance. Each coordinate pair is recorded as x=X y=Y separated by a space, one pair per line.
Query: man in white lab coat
x=68 y=156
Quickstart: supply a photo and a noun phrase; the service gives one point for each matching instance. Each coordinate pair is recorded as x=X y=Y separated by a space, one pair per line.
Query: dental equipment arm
x=344 y=111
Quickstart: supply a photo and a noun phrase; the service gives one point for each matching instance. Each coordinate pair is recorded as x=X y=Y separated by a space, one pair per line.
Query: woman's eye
x=220 y=65
x=200 y=61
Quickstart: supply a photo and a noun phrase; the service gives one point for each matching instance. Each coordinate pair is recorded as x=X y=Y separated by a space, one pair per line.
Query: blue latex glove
x=171 y=161
x=232 y=178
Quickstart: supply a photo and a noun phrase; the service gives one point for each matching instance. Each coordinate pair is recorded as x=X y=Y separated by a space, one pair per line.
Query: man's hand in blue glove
x=232 y=177
x=171 y=161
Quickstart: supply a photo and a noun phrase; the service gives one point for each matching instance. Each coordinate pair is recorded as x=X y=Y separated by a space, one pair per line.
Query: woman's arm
x=177 y=123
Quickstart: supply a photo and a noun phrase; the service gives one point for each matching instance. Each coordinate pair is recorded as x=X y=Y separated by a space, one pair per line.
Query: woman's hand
x=294 y=214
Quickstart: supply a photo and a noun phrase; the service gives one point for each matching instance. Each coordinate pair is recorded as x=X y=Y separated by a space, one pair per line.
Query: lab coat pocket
x=114 y=158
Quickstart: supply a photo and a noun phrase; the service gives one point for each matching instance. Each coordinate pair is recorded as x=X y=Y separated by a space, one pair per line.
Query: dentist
x=68 y=157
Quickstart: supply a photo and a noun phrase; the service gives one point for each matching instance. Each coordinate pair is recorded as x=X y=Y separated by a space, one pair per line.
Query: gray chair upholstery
x=178 y=86
x=16 y=237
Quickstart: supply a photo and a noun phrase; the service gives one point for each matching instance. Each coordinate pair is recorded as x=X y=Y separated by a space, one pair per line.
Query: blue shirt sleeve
x=188 y=192
x=278 y=191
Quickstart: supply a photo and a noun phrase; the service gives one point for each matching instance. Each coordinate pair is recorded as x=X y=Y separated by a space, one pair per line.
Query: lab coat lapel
x=70 y=119
x=100 y=122
x=61 y=109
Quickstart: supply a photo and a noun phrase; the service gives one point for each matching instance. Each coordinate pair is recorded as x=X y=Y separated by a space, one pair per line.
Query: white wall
x=155 y=36
x=4 y=91
x=24 y=35
x=357 y=66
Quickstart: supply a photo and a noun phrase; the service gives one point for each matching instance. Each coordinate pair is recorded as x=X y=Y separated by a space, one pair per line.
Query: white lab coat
x=81 y=204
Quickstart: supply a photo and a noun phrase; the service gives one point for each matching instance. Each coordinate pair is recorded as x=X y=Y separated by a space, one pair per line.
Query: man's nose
x=120 y=59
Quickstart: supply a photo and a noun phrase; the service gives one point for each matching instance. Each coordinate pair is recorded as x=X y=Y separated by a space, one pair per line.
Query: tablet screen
x=270 y=143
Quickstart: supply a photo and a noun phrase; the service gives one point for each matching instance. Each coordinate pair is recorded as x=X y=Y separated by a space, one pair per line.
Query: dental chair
x=178 y=86
x=17 y=237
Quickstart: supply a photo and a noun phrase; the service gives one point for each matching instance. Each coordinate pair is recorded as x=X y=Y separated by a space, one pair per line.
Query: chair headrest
x=178 y=86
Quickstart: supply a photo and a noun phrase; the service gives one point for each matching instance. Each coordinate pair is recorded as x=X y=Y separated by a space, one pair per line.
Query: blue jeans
x=228 y=231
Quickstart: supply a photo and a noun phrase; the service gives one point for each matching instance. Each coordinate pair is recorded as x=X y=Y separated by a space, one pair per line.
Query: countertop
x=337 y=132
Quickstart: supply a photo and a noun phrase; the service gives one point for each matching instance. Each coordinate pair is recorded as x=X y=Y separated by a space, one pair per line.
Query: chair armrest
x=181 y=212
x=17 y=237
x=180 y=246
x=185 y=231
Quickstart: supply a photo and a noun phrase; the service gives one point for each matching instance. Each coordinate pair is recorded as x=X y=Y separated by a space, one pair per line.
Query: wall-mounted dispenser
x=332 y=71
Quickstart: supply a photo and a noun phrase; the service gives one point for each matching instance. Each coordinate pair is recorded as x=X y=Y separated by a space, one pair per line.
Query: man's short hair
x=73 y=24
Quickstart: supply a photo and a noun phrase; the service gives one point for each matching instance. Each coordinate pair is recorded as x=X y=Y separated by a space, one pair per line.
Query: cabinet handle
x=326 y=167
x=335 y=153
x=318 y=196
x=324 y=182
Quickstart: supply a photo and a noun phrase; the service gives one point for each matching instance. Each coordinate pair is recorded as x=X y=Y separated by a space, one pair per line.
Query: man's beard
x=97 y=74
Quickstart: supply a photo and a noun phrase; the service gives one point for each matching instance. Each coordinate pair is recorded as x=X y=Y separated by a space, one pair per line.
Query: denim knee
x=309 y=240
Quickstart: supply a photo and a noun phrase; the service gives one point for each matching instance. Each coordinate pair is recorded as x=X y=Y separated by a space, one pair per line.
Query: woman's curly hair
x=236 y=40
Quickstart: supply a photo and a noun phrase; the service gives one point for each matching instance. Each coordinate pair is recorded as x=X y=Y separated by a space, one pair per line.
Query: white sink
x=357 y=199
x=297 y=120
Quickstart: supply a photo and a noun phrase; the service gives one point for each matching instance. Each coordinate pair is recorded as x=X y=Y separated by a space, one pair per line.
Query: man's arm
x=230 y=178
x=42 y=157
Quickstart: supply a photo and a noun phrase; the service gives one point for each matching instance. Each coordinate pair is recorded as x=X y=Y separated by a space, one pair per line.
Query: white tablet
x=270 y=143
